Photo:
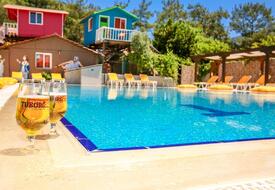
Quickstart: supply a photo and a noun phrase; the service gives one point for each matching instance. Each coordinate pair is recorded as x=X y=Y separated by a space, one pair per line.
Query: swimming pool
x=105 y=119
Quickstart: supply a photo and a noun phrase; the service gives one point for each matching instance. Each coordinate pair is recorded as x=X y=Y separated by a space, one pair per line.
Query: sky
x=210 y=4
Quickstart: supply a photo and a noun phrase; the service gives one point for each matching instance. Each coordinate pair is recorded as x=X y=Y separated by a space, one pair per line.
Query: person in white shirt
x=71 y=65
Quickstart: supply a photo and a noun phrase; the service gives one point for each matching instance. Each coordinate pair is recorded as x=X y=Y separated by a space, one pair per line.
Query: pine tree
x=171 y=9
x=210 y=22
x=144 y=15
x=122 y=4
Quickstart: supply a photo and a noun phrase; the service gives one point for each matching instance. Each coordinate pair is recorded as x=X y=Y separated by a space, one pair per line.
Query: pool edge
x=91 y=147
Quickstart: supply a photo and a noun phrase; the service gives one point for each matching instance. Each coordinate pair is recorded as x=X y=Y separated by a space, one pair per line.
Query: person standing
x=25 y=67
x=1 y=66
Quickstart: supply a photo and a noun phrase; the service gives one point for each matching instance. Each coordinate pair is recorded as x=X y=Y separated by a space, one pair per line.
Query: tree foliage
x=252 y=21
x=178 y=37
x=210 y=22
x=144 y=15
x=171 y=9
x=77 y=9
x=152 y=63
x=122 y=4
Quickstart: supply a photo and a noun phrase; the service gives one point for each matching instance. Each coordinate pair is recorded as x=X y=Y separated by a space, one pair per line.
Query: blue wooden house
x=113 y=25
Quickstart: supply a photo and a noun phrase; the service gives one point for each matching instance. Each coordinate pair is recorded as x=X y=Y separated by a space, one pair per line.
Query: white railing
x=9 y=29
x=114 y=34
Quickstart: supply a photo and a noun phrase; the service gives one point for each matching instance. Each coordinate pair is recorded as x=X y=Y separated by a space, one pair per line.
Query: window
x=120 y=23
x=43 y=60
x=104 y=21
x=36 y=18
x=90 y=24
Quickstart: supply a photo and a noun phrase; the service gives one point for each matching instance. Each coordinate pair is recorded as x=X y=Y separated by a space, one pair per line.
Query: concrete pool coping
x=63 y=162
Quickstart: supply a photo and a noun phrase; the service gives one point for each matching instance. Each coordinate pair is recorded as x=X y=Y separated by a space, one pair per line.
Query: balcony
x=9 y=29
x=114 y=34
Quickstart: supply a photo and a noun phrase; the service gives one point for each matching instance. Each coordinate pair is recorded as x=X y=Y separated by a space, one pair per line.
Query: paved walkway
x=265 y=184
x=6 y=93
x=61 y=163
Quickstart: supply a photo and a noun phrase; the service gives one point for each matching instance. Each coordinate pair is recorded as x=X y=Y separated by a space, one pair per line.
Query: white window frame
x=42 y=18
x=44 y=54
x=121 y=18
x=104 y=17
x=89 y=20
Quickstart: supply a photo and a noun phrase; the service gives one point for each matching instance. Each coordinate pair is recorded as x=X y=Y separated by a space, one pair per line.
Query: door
x=104 y=21
x=120 y=23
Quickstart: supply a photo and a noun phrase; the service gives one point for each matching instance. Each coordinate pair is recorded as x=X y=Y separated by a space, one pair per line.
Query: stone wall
x=254 y=68
x=187 y=74
x=239 y=68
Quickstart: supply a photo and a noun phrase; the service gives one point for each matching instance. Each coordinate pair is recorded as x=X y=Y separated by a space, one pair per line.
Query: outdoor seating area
x=130 y=81
x=243 y=84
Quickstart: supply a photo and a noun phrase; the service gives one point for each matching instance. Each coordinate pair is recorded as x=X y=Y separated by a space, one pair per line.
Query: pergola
x=265 y=52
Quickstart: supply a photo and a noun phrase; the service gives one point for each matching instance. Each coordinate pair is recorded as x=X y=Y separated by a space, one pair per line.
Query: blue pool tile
x=88 y=145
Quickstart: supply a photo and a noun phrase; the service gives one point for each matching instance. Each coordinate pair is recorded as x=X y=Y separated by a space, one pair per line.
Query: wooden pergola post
x=266 y=66
x=196 y=60
x=223 y=66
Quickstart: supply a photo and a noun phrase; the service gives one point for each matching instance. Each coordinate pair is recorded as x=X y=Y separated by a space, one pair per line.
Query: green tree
x=50 y=4
x=210 y=22
x=171 y=9
x=77 y=10
x=267 y=41
x=152 y=63
x=178 y=37
x=206 y=45
x=141 y=53
x=252 y=21
x=122 y=4
x=144 y=15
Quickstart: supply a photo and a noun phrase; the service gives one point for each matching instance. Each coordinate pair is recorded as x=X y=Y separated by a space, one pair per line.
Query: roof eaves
x=10 y=6
x=49 y=36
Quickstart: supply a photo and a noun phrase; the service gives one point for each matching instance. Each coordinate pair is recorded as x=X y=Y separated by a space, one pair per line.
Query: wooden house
x=45 y=53
x=29 y=22
x=113 y=25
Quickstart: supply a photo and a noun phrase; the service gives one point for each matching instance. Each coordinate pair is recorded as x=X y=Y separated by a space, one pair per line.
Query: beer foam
x=34 y=96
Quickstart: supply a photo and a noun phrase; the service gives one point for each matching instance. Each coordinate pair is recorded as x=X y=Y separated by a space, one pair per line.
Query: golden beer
x=58 y=107
x=32 y=113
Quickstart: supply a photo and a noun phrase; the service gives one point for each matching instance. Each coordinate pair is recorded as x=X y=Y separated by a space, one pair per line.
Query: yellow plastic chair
x=17 y=75
x=130 y=80
x=242 y=84
x=113 y=79
x=208 y=83
x=2 y=85
x=228 y=79
x=146 y=82
x=57 y=76
x=37 y=76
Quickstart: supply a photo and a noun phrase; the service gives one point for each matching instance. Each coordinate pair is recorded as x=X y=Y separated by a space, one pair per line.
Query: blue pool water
x=110 y=119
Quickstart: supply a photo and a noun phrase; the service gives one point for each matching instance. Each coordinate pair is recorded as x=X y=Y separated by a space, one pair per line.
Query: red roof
x=19 y=7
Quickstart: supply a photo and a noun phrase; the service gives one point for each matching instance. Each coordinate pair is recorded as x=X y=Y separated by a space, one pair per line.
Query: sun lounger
x=113 y=80
x=146 y=82
x=131 y=81
x=228 y=79
x=37 y=76
x=242 y=84
x=210 y=81
x=259 y=82
x=17 y=75
x=57 y=76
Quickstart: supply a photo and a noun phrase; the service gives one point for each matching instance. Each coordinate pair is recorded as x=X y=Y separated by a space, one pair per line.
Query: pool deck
x=63 y=162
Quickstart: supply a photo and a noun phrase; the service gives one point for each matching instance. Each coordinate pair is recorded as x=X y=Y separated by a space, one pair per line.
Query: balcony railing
x=114 y=34
x=9 y=29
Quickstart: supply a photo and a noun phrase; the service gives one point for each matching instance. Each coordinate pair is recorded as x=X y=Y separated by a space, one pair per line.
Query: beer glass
x=58 y=103
x=32 y=109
